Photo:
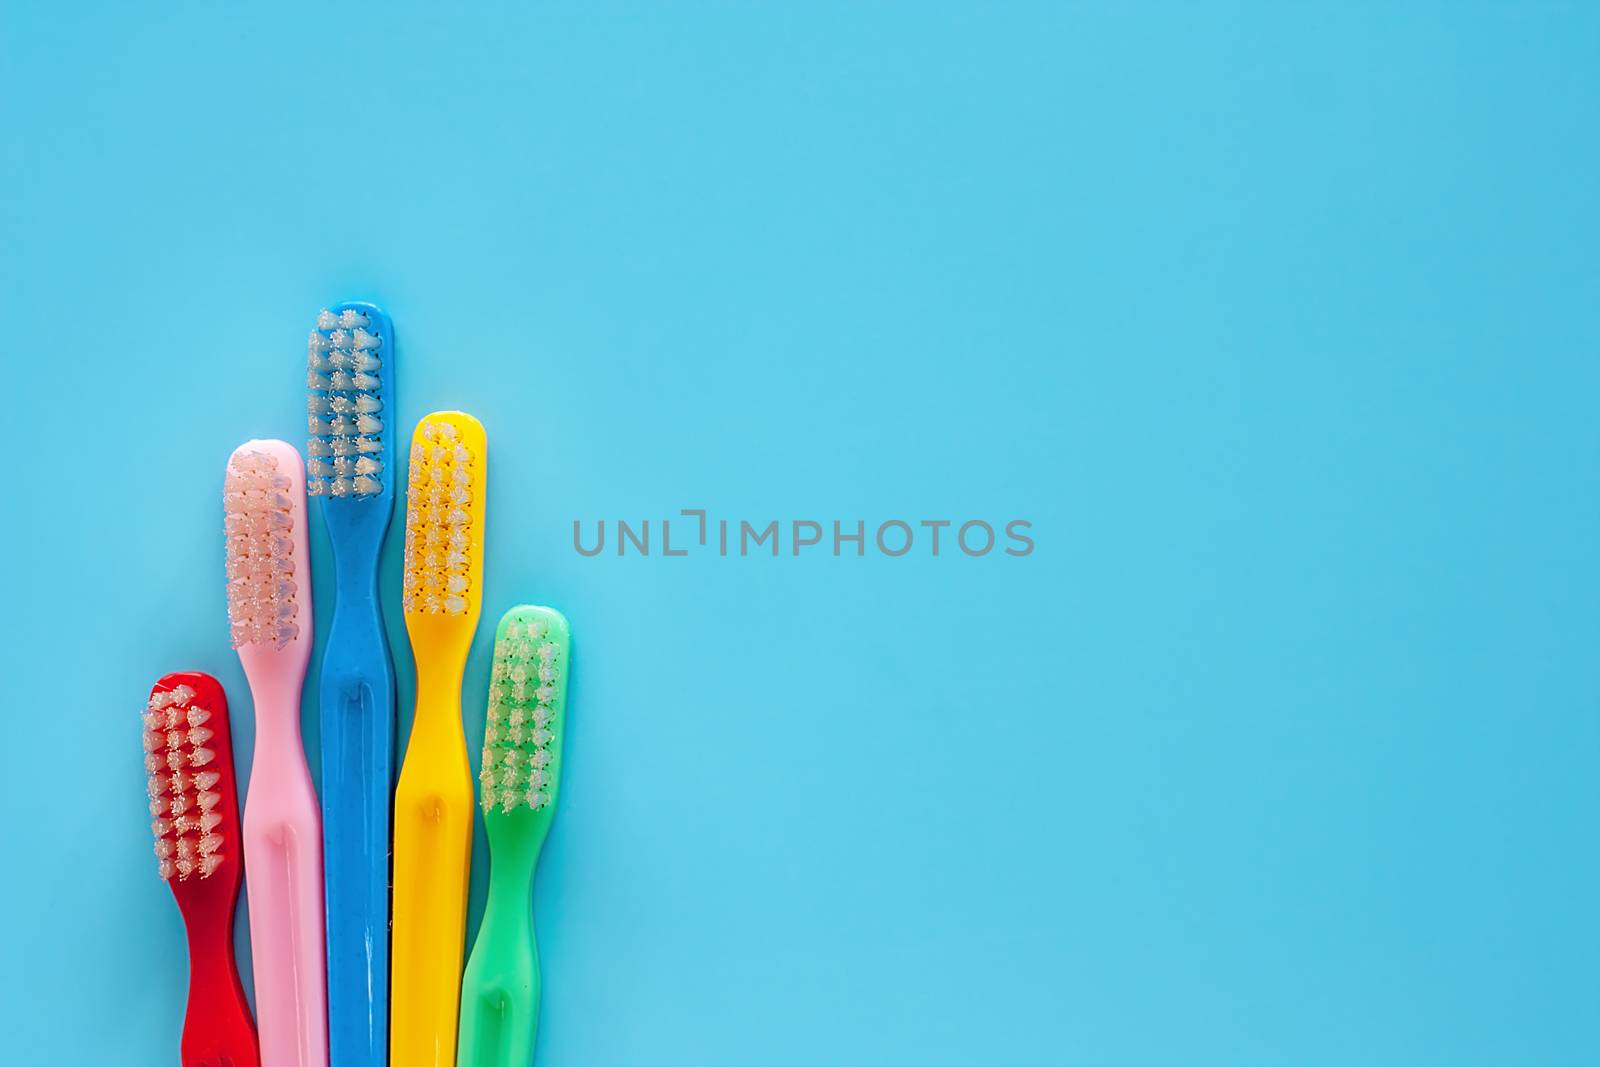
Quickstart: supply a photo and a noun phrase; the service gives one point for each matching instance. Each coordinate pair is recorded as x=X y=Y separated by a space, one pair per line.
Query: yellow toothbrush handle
x=432 y=859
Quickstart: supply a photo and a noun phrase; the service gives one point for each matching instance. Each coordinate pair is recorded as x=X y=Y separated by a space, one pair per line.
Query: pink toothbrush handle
x=283 y=879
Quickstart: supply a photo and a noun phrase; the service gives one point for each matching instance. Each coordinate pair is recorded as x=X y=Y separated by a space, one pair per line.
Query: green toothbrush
x=521 y=780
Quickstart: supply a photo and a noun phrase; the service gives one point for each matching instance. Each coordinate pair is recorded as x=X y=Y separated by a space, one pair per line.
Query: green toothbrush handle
x=500 y=989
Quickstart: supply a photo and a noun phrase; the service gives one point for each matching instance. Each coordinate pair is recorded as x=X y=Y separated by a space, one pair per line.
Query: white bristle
x=258 y=518
x=344 y=396
x=516 y=759
x=429 y=572
x=184 y=845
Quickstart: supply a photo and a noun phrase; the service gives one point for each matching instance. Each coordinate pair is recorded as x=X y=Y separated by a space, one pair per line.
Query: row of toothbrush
x=319 y=875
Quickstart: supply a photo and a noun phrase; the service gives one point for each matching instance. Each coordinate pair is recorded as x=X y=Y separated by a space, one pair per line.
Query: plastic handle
x=432 y=854
x=283 y=873
x=500 y=992
x=217 y=1031
x=357 y=700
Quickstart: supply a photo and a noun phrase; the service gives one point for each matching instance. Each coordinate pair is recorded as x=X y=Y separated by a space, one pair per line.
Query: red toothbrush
x=194 y=813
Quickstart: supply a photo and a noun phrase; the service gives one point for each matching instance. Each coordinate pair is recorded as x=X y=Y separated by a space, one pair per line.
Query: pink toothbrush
x=269 y=611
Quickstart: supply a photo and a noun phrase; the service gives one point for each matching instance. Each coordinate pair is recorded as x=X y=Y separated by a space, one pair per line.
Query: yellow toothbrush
x=442 y=596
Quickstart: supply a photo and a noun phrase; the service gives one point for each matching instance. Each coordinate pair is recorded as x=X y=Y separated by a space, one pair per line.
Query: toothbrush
x=442 y=593
x=350 y=467
x=194 y=815
x=521 y=779
x=269 y=613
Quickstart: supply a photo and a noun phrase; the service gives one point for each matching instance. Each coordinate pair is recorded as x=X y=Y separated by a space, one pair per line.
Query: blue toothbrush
x=350 y=467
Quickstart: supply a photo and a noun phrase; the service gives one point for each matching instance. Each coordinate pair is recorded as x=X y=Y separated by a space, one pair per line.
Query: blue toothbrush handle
x=358 y=726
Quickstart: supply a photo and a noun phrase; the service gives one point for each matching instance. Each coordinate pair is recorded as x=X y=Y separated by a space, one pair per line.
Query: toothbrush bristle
x=439 y=543
x=344 y=408
x=259 y=521
x=520 y=743
x=183 y=776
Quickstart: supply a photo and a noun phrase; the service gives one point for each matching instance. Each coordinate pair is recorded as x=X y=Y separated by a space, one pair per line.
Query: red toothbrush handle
x=217 y=1028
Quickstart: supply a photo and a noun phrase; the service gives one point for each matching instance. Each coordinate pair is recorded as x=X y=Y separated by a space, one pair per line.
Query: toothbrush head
x=349 y=376
x=527 y=714
x=442 y=586
x=188 y=756
x=268 y=561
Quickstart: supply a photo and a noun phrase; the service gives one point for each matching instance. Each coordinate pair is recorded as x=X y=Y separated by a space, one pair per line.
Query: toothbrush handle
x=500 y=992
x=216 y=1026
x=357 y=699
x=283 y=873
x=432 y=854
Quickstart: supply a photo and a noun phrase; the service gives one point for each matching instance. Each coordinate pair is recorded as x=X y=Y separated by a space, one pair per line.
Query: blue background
x=1277 y=321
